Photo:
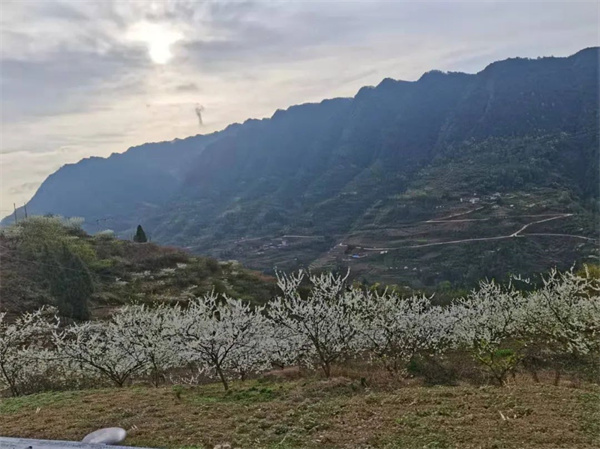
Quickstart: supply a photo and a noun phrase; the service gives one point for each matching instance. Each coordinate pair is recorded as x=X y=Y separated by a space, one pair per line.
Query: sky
x=90 y=78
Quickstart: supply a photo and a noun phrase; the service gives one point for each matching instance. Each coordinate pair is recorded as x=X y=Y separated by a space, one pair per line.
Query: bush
x=433 y=370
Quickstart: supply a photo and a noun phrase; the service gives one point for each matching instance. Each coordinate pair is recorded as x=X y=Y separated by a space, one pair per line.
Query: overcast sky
x=83 y=78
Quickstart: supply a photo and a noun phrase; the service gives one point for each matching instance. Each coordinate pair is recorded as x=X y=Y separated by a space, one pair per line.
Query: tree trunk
x=11 y=383
x=119 y=381
x=326 y=369
x=156 y=377
x=556 y=377
x=222 y=377
x=14 y=391
x=501 y=379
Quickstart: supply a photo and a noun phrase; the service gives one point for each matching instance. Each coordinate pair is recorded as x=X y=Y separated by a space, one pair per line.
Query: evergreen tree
x=140 y=235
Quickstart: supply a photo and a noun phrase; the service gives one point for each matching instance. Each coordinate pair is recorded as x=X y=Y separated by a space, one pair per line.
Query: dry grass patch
x=312 y=413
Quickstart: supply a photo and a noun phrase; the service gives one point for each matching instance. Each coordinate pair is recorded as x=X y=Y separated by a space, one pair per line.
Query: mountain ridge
x=317 y=169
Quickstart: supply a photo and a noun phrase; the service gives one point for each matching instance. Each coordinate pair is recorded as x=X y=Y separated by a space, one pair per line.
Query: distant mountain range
x=419 y=182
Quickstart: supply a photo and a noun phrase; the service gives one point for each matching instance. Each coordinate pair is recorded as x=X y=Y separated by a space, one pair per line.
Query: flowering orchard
x=223 y=338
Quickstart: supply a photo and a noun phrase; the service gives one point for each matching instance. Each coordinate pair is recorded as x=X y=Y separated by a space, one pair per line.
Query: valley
x=421 y=253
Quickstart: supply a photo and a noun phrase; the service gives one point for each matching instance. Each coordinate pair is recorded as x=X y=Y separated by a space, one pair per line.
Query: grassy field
x=316 y=413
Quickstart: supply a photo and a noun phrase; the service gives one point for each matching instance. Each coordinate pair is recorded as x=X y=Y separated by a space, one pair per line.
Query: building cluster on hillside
x=476 y=199
x=270 y=246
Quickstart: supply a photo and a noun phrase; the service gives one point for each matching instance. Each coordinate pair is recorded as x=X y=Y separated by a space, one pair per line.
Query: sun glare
x=160 y=51
x=157 y=37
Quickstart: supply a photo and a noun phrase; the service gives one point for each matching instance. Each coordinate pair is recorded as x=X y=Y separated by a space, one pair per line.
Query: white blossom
x=324 y=324
x=22 y=351
x=150 y=334
x=486 y=319
x=394 y=329
x=328 y=318
x=100 y=347
x=284 y=347
x=221 y=334
x=565 y=311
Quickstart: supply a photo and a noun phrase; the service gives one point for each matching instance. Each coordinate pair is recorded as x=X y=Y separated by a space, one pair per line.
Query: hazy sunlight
x=158 y=38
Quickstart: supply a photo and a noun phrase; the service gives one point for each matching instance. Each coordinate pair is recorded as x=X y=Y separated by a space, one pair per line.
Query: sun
x=160 y=51
x=157 y=37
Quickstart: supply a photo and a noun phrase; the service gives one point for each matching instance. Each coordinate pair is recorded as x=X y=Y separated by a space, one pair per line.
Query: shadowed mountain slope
x=288 y=190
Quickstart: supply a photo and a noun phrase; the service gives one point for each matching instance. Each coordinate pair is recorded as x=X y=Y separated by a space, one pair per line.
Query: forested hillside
x=450 y=178
x=52 y=261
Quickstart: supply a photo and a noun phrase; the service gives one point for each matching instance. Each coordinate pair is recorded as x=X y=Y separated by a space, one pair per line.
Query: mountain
x=412 y=182
x=109 y=189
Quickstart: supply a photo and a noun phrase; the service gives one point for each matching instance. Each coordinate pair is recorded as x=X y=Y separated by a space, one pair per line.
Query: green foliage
x=46 y=262
x=70 y=282
x=499 y=362
x=49 y=260
x=35 y=233
x=253 y=395
x=433 y=370
x=589 y=271
x=31 y=402
x=178 y=390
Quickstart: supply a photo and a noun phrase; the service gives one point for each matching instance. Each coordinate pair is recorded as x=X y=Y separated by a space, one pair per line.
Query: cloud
x=74 y=83
x=26 y=188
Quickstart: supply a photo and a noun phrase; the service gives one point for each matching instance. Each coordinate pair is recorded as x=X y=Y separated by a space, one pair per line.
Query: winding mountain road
x=516 y=234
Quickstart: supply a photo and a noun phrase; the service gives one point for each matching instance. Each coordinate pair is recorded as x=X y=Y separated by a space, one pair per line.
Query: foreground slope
x=338 y=413
x=518 y=140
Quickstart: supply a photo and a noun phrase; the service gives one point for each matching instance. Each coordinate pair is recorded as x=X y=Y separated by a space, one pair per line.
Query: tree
x=283 y=347
x=140 y=235
x=150 y=333
x=71 y=283
x=565 y=313
x=101 y=348
x=487 y=319
x=22 y=354
x=328 y=318
x=395 y=329
x=35 y=233
x=222 y=334
x=327 y=323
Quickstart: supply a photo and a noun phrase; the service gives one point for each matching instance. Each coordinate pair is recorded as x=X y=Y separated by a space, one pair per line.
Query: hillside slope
x=50 y=261
x=519 y=138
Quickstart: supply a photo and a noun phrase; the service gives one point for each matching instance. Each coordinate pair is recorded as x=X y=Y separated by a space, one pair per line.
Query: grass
x=590 y=418
x=313 y=413
x=50 y=399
